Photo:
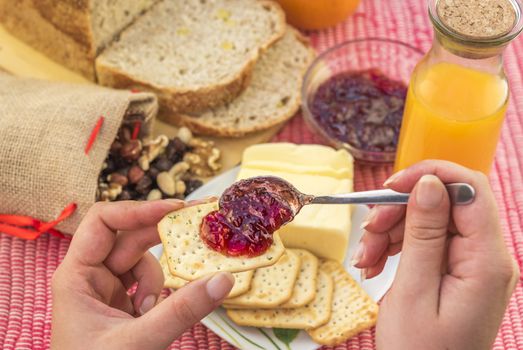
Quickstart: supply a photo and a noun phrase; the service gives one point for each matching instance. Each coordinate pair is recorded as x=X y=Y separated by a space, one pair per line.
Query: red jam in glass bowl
x=250 y=212
x=361 y=108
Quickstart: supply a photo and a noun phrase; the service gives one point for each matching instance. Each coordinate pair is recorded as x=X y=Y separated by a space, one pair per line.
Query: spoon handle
x=459 y=194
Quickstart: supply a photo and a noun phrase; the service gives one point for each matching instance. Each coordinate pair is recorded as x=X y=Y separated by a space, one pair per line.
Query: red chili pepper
x=94 y=134
x=136 y=129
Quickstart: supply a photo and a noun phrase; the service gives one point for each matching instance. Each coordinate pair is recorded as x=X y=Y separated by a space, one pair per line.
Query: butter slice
x=313 y=169
x=300 y=159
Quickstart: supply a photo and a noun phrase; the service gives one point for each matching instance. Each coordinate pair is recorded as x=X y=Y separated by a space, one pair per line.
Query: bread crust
x=209 y=129
x=199 y=100
x=25 y=20
x=173 y=100
x=61 y=29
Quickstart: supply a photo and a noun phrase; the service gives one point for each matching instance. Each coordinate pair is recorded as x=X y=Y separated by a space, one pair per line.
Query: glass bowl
x=393 y=58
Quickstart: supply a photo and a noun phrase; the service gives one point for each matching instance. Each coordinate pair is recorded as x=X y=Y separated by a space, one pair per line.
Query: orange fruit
x=317 y=14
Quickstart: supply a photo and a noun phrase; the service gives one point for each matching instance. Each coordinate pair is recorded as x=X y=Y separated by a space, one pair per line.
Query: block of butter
x=313 y=169
x=299 y=159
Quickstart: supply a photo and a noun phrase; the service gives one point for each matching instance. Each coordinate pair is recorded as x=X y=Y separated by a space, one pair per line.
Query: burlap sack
x=44 y=129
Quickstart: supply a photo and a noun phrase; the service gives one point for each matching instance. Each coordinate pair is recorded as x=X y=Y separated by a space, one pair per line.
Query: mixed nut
x=157 y=168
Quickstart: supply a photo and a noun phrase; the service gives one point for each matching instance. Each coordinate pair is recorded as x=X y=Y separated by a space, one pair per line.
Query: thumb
x=165 y=322
x=425 y=239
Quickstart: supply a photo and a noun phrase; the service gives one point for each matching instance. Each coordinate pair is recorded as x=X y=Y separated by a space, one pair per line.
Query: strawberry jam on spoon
x=250 y=212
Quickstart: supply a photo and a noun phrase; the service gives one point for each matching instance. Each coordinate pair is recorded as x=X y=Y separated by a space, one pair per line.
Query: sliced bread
x=272 y=97
x=71 y=32
x=194 y=54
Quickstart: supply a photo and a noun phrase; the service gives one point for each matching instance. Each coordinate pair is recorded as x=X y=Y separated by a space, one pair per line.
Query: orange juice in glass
x=458 y=96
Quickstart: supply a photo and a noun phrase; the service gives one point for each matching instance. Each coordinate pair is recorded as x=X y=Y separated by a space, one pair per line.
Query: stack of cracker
x=282 y=288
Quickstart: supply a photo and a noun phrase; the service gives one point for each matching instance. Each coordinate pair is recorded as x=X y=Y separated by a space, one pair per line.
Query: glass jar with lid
x=458 y=93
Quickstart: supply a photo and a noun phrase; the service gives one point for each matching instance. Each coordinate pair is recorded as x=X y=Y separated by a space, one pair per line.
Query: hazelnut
x=117 y=178
x=176 y=149
x=143 y=186
x=125 y=195
x=131 y=150
x=135 y=174
x=153 y=172
x=184 y=134
x=163 y=164
x=115 y=147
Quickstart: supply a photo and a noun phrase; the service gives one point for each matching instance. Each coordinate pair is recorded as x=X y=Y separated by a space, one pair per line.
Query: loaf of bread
x=194 y=54
x=272 y=97
x=72 y=32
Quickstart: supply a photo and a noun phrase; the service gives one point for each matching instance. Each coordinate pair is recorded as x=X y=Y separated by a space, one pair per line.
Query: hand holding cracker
x=108 y=254
x=455 y=276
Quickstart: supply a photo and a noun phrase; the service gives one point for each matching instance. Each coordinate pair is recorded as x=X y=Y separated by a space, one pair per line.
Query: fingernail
x=358 y=255
x=174 y=200
x=429 y=192
x=219 y=285
x=203 y=200
x=393 y=178
x=363 y=275
x=370 y=216
x=147 y=303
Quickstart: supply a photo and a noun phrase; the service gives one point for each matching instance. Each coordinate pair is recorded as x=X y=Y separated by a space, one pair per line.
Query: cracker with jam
x=190 y=258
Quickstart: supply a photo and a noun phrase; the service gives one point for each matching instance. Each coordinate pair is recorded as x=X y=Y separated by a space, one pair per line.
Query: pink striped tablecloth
x=26 y=267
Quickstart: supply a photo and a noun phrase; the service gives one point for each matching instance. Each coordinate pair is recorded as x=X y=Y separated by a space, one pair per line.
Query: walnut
x=204 y=159
x=199 y=143
x=214 y=160
x=192 y=158
x=156 y=147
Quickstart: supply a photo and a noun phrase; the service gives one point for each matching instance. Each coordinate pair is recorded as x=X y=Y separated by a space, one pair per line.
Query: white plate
x=250 y=338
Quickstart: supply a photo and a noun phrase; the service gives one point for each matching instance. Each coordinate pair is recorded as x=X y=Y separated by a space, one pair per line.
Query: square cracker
x=242 y=280
x=314 y=314
x=270 y=286
x=170 y=281
x=353 y=310
x=188 y=257
x=305 y=286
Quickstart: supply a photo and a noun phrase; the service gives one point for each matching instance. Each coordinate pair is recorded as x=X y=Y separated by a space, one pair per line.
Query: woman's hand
x=455 y=275
x=108 y=254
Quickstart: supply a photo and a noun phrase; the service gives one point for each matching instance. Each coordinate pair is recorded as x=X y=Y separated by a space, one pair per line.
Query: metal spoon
x=459 y=194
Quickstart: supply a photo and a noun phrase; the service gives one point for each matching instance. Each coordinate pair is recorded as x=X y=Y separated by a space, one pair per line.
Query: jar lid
x=478 y=19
